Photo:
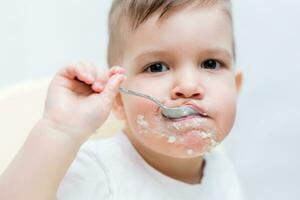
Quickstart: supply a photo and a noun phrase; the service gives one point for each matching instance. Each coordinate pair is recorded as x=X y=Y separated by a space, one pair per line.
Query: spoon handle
x=126 y=91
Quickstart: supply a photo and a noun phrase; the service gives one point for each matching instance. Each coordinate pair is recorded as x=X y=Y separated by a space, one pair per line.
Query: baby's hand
x=80 y=98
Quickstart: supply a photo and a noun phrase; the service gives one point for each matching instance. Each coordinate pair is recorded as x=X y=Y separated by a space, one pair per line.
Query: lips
x=199 y=109
x=198 y=115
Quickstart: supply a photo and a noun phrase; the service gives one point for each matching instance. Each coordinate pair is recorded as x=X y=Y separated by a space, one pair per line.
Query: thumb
x=112 y=87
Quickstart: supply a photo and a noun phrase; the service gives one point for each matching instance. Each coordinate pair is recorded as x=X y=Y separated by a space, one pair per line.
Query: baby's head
x=182 y=53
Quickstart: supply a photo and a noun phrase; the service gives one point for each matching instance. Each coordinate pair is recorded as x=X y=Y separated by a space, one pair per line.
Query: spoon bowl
x=170 y=113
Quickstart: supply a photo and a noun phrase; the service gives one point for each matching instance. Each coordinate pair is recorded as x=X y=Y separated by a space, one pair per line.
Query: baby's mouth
x=188 y=117
x=192 y=132
x=182 y=112
x=196 y=121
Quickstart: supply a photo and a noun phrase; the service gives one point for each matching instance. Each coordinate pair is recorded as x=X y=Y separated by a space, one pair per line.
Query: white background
x=37 y=37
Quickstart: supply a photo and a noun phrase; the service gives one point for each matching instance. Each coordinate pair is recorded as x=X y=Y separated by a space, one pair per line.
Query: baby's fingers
x=78 y=72
x=102 y=78
x=116 y=70
x=100 y=81
x=111 y=89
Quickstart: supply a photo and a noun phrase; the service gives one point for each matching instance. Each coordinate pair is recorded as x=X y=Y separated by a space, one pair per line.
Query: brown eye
x=156 y=67
x=211 y=64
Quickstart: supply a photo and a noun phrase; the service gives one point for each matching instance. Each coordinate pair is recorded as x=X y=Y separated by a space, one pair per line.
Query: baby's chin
x=190 y=137
x=172 y=147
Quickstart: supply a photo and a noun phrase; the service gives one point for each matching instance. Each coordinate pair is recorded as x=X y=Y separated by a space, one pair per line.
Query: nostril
x=179 y=94
x=196 y=95
x=187 y=92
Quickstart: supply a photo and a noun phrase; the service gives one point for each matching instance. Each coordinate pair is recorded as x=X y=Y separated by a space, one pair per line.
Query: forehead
x=189 y=29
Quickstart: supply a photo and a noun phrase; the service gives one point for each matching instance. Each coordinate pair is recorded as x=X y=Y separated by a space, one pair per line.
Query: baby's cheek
x=226 y=115
x=140 y=107
x=144 y=107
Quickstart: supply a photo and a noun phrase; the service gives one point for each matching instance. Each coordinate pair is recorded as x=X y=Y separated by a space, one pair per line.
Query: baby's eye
x=156 y=67
x=211 y=64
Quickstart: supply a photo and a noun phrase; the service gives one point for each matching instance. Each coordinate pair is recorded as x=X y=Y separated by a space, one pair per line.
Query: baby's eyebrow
x=216 y=51
x=151 y=52
x=220 y=51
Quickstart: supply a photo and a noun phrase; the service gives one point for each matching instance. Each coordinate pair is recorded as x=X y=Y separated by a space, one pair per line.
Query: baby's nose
x=188 y=83
x=186 y=92
x=187 y=89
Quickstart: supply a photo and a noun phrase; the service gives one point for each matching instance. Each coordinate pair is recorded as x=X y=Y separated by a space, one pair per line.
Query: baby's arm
x=76 y=106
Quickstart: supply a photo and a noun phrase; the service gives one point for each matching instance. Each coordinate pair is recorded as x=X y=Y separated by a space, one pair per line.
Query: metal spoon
x=171 y=113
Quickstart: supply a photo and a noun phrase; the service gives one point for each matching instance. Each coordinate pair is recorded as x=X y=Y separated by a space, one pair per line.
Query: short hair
x=130 y=14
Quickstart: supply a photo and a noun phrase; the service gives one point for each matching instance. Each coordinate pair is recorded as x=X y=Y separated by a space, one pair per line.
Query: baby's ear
x=118 y=108
x=238 y=80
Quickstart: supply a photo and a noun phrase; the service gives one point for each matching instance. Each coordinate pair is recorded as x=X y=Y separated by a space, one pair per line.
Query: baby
x=180 y=52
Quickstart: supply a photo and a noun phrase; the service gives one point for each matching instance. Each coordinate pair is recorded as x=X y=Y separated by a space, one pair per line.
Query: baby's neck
x=185 y=170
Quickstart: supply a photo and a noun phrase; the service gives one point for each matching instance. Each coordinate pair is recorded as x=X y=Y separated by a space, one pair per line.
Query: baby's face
x=184 y=59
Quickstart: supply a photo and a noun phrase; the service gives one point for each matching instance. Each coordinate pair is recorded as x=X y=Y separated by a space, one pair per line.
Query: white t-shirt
x=113 y=169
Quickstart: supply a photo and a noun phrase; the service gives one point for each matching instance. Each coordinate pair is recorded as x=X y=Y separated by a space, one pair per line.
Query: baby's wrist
x=59 y=132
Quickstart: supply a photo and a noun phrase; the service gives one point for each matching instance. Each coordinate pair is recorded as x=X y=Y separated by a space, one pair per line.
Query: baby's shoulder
x=89 y=176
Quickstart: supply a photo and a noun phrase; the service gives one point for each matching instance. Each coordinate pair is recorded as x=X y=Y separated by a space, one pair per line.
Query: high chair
x=21 y=106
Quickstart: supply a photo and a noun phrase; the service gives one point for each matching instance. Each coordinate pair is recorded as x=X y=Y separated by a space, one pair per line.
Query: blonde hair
x=127 y=15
